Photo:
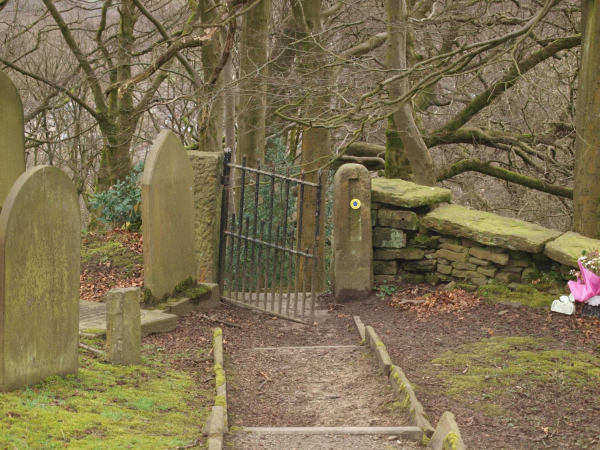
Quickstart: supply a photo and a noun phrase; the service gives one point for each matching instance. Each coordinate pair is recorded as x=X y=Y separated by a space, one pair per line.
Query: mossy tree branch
x=475 y=165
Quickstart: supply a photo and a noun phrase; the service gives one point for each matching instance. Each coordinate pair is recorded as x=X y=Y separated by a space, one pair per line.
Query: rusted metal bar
x=299 y=243
x=259 y=263
x=284 y=239
x=269 y=234
x=245 y=261
x=304 y=286
x=241 y=223
x=315 y=251
x=275 y=175
x=224 y=217
x=274 y=284
x=231 y=255
x=254 y=225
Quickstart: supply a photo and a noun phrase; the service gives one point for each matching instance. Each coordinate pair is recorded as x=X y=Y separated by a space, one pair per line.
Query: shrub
x=120 y=204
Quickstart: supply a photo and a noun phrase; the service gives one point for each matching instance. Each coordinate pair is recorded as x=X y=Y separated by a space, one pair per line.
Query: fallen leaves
x=437 y=301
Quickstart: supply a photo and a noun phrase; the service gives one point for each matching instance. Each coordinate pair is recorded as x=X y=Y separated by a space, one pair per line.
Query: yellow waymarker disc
x=355 y=203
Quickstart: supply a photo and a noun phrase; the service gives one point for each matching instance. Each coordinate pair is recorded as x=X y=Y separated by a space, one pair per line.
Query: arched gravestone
x=40 y=241
x=168 y=216
x=12 y=136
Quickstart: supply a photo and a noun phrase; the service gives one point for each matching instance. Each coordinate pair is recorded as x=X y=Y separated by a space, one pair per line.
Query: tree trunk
x=396 y=161
x=316 y=145
x=417 y=152
x=586 y=204
x=253 y=82
x=210 y=116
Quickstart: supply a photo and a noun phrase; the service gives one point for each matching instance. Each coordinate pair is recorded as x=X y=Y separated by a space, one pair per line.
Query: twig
x=222 y=322
x=91 y=349
x=267 y=378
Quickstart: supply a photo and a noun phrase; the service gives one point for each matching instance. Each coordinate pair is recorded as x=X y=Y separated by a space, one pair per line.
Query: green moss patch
x=112 y=252
x=524 y=294
x=492 y=366
x=105 y=407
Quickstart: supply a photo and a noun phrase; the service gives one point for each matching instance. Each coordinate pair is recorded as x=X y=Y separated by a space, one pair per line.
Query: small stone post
x=123 y=326
x=353 y=249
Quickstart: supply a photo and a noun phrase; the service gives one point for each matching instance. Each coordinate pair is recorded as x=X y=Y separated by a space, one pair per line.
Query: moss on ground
x=528 y=295
x=501 y=363
x=112 y=252
x=104 y=407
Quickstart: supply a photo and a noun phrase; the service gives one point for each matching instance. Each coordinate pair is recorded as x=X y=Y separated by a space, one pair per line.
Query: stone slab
x=92 y=320
x=398 y=218
x=567 y=249
x=406 y=194
x=12 y=136
x=40 y=248
x=388 y=238
x=446 y=435
x=168 y=216
x=413 y=433
x=378 y=347
x=183 y=306
x=489 y=229
x=360 y=327
x=407 y=397
x=208 y=191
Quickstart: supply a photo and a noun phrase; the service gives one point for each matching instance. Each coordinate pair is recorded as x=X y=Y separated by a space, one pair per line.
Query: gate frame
x=249 y=236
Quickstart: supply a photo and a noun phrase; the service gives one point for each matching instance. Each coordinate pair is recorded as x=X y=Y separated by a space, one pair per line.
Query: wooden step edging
x=412 y=433
x=447 y=434
x=216 y=424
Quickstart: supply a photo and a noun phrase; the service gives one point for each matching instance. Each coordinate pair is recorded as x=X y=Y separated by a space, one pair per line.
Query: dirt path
x=309 y=377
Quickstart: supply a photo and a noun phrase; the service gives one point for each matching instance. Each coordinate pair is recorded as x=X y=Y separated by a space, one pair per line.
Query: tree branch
x=475 y=165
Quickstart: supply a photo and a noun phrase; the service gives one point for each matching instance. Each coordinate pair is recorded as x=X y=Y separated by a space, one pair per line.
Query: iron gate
x=263 y=264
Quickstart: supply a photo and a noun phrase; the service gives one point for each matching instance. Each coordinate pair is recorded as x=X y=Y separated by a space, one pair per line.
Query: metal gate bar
x=275 y=261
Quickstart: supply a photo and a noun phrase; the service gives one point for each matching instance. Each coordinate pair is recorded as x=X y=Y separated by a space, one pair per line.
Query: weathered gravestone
x=208 y=169
x=12 y=136
x=39 y=278
x=353 y=248
x=123 y=326
x=168 y=216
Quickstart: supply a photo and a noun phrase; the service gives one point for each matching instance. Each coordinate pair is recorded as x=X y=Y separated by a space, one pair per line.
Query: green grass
x=110 y=251
x=527 y=295
x=499 y=363
x=106 y=407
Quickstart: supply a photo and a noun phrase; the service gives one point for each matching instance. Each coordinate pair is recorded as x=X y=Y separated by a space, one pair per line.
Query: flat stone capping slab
x=413 y=433
x=385 y=362
x=182 y=306
x=408 y=400
x=490 y=229
x=92 y=320
x=216 y=428
x=406 y=194
x=447 y=434
x=567 y=248
x=360 y=327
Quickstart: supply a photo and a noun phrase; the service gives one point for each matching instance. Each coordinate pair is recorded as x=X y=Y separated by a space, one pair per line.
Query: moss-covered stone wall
x=440 y=243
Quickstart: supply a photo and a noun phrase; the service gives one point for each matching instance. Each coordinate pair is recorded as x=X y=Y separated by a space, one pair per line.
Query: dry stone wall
x=418 y=237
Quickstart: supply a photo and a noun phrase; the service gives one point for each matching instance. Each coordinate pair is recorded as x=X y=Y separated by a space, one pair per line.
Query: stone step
x=413 y=433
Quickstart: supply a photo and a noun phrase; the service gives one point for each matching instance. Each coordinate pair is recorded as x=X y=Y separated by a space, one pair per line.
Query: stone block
x=40 y=250
x=168 y=216
x=449 y=240
x=512 y=269
x=482 y=253
x=406 y=393
x=396 y=218
x=405 y=194
x=518 y=263
x=444 y=269
x=378 y=347
x=454 y=247
x=425 y=241
x=353 y=266
x=469 y=243
x=567 y=248
x=375 y=206
x=388 y=237
x=451 y=256
x=447 y=435
x=373 y=218
x=479 y=281
x=12 y=136
x=123 y=326
x=208 y=190
x=443 y=261
x=465 y=274
x=479 y=262
x=385 y=267
x=489 y=229
x=464 y=265
x=385 y=278
x=487 y=271
x=432 y=279
x=409 y=253
x=508 y=277
x=423 y=265
x=183 y=306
